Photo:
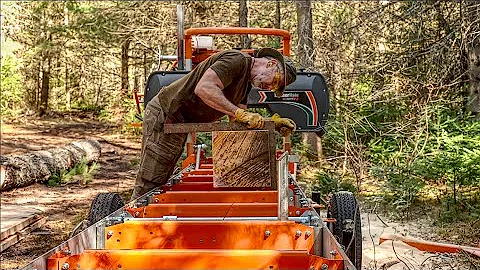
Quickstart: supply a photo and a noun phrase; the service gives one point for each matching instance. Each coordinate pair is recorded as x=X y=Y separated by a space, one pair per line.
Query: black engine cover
x=305 y=101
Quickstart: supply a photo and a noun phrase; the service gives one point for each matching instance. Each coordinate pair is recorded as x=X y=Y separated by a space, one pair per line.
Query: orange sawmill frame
x=196 y=259
x=219 y=243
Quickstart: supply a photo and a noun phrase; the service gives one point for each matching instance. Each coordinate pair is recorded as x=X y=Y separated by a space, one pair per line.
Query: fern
x=81 y=172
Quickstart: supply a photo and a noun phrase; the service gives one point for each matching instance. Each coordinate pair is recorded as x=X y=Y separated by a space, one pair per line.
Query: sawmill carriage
x=217 y=212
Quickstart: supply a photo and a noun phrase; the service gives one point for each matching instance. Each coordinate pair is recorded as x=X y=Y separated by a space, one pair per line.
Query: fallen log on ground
x=38 y=166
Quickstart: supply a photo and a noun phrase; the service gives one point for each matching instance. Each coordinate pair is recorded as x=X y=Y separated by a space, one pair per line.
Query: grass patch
x=134 y=162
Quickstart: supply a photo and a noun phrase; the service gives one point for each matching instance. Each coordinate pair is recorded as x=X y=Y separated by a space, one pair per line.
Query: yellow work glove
x=253 y=120
x=285 y=126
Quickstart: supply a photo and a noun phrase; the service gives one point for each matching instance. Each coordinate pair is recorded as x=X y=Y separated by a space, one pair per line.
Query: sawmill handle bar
x=237 y=31
x=214 y=126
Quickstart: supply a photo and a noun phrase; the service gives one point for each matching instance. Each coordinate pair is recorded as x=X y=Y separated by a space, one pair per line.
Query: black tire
x=344 y=208
x=103 y=205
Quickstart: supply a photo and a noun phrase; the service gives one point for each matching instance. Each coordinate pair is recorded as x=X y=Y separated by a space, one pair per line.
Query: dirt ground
x=65 y=206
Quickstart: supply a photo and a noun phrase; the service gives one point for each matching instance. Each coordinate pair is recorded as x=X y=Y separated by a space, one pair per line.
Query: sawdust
x=395 y=255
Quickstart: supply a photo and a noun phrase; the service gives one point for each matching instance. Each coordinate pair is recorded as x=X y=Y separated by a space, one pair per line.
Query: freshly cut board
x=243 y=159
x=16 y=222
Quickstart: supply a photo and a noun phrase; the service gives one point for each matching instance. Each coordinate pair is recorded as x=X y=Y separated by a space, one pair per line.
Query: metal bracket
x=282 y=168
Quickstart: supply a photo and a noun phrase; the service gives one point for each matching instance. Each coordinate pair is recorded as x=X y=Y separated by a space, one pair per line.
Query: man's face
x=270 y=78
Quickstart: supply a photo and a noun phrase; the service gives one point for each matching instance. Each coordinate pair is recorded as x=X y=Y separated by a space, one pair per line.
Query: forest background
x=404 y=81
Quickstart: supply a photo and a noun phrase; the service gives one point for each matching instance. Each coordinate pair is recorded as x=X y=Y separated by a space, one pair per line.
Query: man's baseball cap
x=288 y=68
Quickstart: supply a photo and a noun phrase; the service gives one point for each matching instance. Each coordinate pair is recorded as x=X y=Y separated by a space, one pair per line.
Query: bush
x=449 y=156
x=328 y=181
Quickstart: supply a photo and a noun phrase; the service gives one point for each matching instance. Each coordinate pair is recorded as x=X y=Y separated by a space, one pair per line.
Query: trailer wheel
x=103 y=205
x=347 y=230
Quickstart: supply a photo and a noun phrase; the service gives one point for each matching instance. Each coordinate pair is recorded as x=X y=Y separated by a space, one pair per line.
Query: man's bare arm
x=209 y=89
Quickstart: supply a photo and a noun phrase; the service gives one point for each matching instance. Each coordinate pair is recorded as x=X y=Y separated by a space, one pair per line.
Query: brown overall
x=177 y=103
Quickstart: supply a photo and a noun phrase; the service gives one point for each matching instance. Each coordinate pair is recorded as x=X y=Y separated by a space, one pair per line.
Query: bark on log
x=38 y=166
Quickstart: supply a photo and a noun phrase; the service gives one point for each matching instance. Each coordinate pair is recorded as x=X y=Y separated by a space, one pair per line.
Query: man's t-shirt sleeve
x=230 y=67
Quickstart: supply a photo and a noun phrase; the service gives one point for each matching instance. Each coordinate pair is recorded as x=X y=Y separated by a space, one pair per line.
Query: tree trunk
x=99 y=90
x=243 y=15
x=44 y=92
x=306 y=57
x=278 y=20
x=38 y=89
x=124 y=69
x=314 y=144
x=67 y=90
x=474 y=75
x=38 y=166
x=145 y=75
x=472 y=13
x=305 y=36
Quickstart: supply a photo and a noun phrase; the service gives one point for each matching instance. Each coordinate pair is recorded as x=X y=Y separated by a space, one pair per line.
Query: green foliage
x=412 y=151
x=467 y=209
x=125 y=114
x=81 y=172
x=262 y=111
x=449 y=155
x=401 y=186
x=11 y=80
x=97 y=110
x=103 y=113
x=134 y=162
x=328 y=181
x=205 y=138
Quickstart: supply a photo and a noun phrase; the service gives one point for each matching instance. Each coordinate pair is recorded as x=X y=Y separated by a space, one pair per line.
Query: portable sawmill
x=221 y=211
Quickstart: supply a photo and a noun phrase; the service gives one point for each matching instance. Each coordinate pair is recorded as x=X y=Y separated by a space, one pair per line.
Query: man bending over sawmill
x=217 y=86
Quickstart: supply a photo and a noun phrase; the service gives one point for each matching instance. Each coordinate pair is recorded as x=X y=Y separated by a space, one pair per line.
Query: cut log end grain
x=243 y=159
x=38 y=166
